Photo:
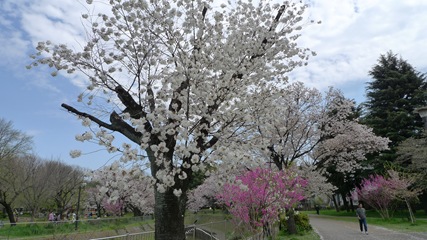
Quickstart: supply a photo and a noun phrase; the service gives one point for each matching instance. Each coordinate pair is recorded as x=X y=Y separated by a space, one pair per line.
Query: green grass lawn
x=214 y=221
x=113 y=226
x=108 y=226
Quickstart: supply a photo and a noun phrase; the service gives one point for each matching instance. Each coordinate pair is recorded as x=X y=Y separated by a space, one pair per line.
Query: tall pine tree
x=396 y=91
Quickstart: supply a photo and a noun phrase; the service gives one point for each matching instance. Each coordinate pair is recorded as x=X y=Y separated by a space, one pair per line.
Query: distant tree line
x=31 y=183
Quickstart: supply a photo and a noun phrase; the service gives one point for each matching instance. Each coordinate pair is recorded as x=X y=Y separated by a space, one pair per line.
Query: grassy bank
x=87 y=228
x=212 y=221
x=103 y=227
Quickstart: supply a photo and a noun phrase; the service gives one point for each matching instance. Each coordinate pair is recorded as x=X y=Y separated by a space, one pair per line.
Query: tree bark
x=292 y=227
x=169 y=216
x=351 y=205
x=266 y=231
x=411 y=213
x=137 y=212
x=10 y=214
x=337 y=208
x=423 y=200
x=345 y=202
x=98 y=209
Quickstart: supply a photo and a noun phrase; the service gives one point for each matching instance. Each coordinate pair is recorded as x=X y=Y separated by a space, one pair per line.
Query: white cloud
x=353 y=34
x=13 y=48
x=350 y=39
x=57 y=21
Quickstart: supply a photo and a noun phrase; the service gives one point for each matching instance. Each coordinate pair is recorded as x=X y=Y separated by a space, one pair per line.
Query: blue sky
x=348 y=43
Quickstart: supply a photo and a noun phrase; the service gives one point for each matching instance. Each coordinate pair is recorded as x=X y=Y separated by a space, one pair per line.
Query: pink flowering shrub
x=375 y=191
x=258 y=196
x=380 y=192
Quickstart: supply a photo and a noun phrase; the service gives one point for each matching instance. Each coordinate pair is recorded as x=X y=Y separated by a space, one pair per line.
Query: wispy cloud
x=353 y=34
x=350 y=39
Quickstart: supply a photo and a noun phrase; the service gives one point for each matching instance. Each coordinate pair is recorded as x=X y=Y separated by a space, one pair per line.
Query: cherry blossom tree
x=346 y=142
x=258 y=196
x=130 y=187
x=177 y=78
x=403 y=189
x=95 y=198
x=317 y=183
x=289 y=129
x=411 y=154
x=205 y=194
x=379 y=192
x=301 y=125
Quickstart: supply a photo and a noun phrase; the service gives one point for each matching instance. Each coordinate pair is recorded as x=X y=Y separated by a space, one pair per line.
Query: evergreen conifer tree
x=396 y=91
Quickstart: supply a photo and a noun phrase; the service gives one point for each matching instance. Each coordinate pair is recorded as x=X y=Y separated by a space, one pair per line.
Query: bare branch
x=117 y=123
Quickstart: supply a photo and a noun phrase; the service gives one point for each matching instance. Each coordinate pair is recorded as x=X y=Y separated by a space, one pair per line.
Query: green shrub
x=302 y=222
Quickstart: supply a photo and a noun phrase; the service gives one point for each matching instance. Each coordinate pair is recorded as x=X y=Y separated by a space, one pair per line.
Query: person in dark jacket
x=317 y=209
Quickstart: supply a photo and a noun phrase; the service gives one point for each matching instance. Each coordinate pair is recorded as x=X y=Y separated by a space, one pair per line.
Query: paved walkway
x=330 y=229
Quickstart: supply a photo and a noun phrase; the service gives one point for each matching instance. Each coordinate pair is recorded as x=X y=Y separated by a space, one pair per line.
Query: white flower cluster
x=84 y=137
x=129 y=153
x=75 y=153
x=106 y=139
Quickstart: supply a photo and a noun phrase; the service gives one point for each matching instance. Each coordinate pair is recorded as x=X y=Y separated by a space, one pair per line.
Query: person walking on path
x=317 y=209
x=361 y=215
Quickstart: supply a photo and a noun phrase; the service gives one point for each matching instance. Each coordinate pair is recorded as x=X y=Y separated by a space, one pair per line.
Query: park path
x=331 y=229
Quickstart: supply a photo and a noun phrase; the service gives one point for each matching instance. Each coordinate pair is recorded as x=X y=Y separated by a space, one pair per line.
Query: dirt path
x=331 y=229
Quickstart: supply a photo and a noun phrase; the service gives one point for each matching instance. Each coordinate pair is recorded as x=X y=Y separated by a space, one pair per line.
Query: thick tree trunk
x=423 y=200
x=292 y=227
x=10 y=214
x=337 y=208
x=345 y=202
x=169 y=216
x=137 y=212
x=351 y=204
x=98 y=209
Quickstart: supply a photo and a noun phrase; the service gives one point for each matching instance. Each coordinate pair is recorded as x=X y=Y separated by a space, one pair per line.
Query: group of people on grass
x=57 y=217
